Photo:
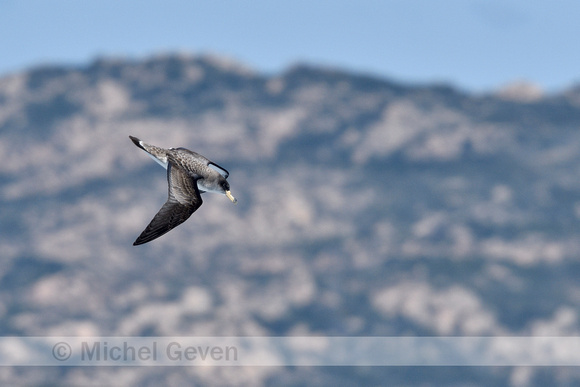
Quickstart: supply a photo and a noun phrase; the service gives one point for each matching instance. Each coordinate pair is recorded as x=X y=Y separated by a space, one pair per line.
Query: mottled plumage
x=188 y=175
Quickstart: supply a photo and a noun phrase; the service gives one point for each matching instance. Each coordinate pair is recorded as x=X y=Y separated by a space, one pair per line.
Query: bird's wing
x=183 y=200
x=200 y=159
x=218 y=169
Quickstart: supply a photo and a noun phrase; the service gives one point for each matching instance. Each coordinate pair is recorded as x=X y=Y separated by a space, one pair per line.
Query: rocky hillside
x=366 y=207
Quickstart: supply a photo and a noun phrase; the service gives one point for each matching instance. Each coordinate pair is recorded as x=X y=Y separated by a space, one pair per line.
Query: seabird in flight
x=189 y=174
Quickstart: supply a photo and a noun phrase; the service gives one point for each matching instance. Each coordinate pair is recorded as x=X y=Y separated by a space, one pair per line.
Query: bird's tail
x=137 y=142
x=156 y=153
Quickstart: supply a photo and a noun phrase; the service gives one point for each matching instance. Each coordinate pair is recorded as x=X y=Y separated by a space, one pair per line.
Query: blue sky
x=474 y=44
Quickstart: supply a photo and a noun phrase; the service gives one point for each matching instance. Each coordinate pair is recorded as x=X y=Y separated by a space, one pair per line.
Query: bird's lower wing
x=171 y=215
x=184 y=199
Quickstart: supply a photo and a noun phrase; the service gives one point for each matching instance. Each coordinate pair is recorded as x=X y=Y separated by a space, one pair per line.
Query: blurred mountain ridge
x=366 y=207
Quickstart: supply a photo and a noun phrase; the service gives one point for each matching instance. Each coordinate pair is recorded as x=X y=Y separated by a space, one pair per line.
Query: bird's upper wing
x=183 y=200
x=199 y=159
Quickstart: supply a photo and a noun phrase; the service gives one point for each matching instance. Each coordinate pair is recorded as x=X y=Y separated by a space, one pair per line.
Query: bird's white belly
x=202 y=187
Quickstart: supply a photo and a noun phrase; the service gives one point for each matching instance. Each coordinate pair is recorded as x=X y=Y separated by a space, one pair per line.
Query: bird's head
x=226 y=187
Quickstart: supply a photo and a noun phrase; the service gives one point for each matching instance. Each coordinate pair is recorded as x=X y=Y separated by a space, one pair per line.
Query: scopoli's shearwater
x=189 y=174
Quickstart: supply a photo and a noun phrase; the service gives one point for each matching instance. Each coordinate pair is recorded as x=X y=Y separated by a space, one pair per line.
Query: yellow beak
x=231 y=197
